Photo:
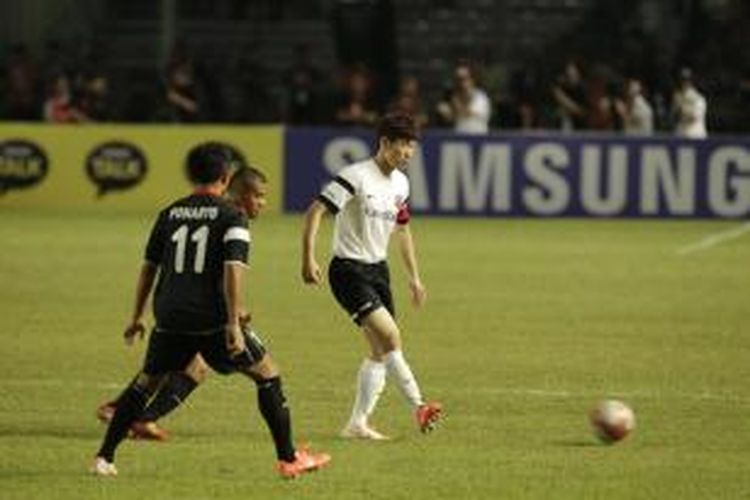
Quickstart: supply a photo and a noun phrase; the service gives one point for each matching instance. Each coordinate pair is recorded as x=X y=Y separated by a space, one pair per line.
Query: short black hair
x=398 y=125
x=243 y=179
x=207 y=163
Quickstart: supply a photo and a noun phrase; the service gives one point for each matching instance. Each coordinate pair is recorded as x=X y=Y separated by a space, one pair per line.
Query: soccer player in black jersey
x=247 y=192
x=198 y=249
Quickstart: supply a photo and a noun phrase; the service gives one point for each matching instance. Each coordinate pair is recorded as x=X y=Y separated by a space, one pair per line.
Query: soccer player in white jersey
x=369 y=200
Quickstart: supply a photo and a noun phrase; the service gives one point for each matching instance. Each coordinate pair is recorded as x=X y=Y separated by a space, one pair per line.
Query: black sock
x=172 y=393
x=129 y=405
x=116 y=401
x=272 y=404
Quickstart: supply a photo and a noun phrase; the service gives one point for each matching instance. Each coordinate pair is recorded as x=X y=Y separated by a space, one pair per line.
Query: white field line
x=563 y=394
x=487 y=391
x=714 y=239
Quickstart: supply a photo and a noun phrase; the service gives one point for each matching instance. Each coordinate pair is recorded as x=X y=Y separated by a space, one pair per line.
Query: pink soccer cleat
x=427 y=416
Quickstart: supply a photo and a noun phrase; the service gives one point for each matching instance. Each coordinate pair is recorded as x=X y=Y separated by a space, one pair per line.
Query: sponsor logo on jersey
x=23 y=164
x=374 y=213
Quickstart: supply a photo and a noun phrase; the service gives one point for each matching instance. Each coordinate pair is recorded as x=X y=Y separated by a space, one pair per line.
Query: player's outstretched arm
x=233 y=279
x=409 y=256
x=311 y=272
x=143 y=290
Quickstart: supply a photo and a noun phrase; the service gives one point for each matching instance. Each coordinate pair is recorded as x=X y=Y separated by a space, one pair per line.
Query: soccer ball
x=611 y=420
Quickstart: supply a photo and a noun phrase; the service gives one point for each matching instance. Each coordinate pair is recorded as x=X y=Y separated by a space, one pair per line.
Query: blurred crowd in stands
x=50 y=90
x=62 y=89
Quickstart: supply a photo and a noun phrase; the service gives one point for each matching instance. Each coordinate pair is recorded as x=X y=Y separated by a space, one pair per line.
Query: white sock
x=370 y=384
x=400 y=371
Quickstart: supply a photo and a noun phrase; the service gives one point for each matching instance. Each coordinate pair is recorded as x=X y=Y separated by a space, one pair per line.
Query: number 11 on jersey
x=200 y=237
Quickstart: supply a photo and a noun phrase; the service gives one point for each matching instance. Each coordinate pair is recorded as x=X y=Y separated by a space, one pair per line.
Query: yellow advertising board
x=107 y=167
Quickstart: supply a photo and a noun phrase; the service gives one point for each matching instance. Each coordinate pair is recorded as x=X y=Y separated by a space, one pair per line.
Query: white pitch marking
x=638 y=394
x=714 y=239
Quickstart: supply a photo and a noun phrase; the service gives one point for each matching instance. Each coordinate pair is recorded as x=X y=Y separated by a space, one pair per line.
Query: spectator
x=516 y=109
x=569 y=93
x=181 y=93
x=94 y=99
x=58 y=107
x=357 y=106
x=21 y=76
x=302 y=97
x=408 y=100
x=506 y=112
x=634 y=110
x=603 y=114
x=466 y=105
x=524 y=90
x=689 y=108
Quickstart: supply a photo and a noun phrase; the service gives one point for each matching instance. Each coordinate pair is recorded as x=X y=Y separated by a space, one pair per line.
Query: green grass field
x=528 y=323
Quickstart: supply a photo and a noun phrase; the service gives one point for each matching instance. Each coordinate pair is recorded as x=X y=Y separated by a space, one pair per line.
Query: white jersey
x=691 y=107
x=367 y=204
x=478 y=120
x=640 y=119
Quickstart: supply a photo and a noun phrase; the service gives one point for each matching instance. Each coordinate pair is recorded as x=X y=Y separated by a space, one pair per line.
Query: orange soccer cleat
x=427 y=416
x=149 y=431
x=305 y=461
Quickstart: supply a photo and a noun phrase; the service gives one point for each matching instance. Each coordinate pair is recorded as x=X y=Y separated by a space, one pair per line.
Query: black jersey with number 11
x=190 y=242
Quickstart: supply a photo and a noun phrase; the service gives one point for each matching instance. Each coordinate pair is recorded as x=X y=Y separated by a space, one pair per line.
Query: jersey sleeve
x=337 y=193
x=236 y=240
x=155 y=245
x=404 y=215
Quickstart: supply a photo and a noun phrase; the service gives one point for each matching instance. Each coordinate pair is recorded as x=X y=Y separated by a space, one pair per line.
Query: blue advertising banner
x=541 y=175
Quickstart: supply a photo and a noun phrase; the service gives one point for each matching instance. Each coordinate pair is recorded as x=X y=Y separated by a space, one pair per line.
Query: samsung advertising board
x=541 y=175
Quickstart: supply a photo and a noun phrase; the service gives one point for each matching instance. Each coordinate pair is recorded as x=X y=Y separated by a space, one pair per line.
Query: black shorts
x=360 y=288
x=173 y=351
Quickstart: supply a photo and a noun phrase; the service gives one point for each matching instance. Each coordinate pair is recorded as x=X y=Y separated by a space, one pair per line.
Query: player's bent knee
x=383 y=340
x=264 y=369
